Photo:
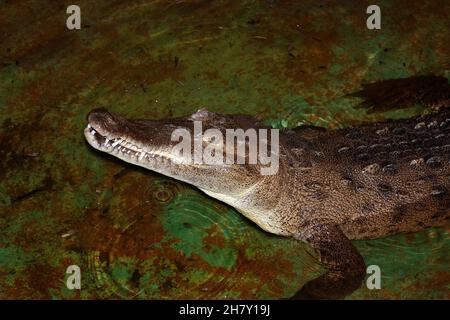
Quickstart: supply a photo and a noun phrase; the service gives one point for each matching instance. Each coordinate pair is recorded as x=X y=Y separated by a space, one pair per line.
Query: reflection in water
x=205 y=250
x=178 y=244
x=413 y=254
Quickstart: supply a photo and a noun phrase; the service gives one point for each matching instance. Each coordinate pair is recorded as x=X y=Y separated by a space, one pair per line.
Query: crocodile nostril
x=105 y=122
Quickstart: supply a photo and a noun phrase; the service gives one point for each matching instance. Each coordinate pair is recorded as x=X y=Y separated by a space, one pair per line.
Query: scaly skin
x=331 y=187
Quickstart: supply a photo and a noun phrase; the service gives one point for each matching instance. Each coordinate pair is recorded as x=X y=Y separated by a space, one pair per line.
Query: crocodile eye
x=202 y=115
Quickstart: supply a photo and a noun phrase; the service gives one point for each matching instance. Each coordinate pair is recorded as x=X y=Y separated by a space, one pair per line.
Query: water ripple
x=194 y=248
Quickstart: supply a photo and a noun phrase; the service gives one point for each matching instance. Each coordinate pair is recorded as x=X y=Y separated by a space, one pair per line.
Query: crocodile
x=332 y=186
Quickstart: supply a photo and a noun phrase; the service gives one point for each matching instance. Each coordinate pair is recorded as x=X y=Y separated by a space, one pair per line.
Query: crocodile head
x=156 y=145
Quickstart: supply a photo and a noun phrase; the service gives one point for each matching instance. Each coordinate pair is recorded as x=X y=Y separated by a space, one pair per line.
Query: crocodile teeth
x=116 y=143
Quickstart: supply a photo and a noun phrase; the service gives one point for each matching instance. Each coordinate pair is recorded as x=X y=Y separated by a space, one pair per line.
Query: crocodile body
x=371 y=181
x=332 y=186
